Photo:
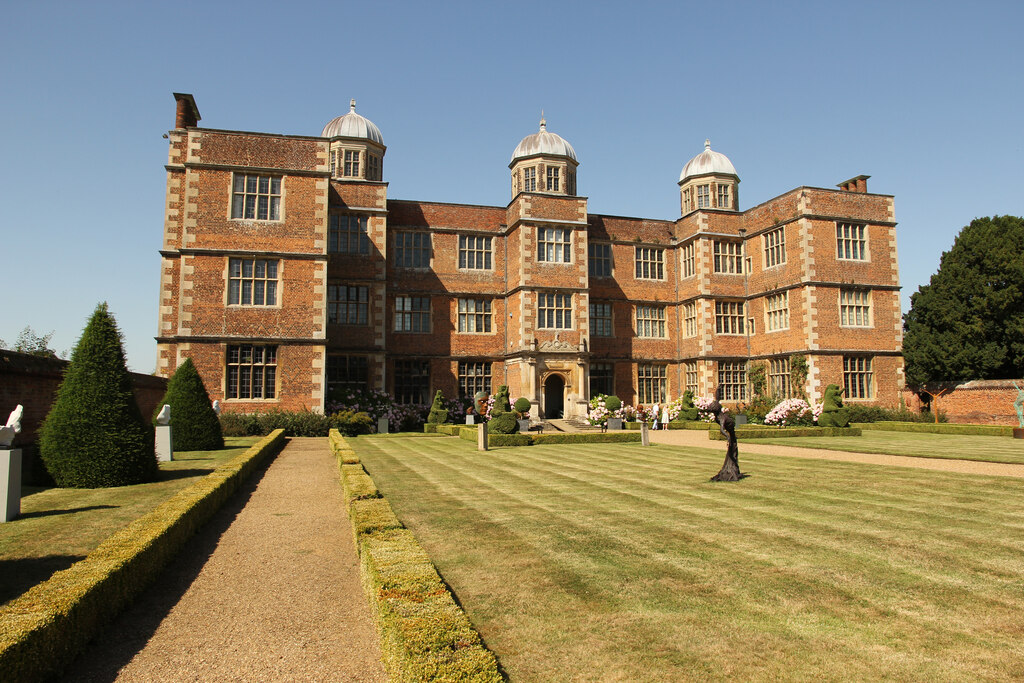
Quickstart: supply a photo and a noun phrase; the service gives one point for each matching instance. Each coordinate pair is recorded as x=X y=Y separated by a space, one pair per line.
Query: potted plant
x=613 y=404
x=522 y=410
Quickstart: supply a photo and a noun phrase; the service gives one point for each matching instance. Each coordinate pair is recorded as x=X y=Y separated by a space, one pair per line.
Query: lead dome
x=352 y=125
x=707 y=162
x=543 y=143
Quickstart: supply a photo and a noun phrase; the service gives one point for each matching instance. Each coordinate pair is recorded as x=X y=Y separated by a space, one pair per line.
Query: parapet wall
x=976 y=402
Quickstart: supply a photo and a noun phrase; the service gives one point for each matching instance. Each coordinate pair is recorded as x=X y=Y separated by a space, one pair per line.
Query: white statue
x=216 y=406
x=13 y=427
x=164 y=418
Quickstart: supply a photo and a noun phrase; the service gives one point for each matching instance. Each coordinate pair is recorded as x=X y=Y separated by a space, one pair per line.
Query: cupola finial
x=352 y=104
x=543 y=122
x=707 y=141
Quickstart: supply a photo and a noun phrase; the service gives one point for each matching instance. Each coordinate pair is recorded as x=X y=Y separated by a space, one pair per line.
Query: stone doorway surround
x=554 y=396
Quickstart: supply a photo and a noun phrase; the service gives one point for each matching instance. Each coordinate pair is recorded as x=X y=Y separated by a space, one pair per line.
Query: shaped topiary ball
x=612 y=403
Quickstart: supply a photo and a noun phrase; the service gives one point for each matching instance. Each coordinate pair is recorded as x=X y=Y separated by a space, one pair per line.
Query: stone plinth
x=614 y=423
x=164 y=444
x=10 y=483
x=481 y=436
x=382 y=425
x=645 y=435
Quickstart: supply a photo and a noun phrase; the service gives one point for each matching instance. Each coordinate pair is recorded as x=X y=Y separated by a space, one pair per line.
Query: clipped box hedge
x=942 y=428
x=690 y=424
x=470 y=434
x=617 y=436
x=357 y=483
x=341 y=449
x=43 y=630
x=425 y=635
x=768 y=432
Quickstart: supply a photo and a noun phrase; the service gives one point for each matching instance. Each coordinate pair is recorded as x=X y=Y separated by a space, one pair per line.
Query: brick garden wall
x=976 y=402
x=33 y=382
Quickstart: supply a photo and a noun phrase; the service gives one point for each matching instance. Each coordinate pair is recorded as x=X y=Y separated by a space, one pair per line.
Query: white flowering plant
x=703 y=404
x=599 y=413
x=378 y=404
x=790 y=412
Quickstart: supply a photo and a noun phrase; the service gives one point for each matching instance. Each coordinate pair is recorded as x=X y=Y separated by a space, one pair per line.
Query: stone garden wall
x=974 y=402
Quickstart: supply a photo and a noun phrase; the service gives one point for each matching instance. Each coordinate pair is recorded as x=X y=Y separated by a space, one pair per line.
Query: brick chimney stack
x=187 y=114
x=855 y=184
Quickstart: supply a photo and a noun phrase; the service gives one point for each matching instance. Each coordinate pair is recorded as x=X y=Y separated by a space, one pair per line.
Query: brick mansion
x=287 y=272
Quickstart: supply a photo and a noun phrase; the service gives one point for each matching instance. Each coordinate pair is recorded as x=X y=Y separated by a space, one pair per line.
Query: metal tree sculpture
x=731 y=467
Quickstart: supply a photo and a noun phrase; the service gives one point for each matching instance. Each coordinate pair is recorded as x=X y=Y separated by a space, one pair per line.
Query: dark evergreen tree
x=95 y=434
x=194 y=424
x=968 y=323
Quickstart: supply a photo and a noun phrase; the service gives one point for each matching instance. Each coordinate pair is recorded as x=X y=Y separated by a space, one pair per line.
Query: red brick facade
x=411 y=297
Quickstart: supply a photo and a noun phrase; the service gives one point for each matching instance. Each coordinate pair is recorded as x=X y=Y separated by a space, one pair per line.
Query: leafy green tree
x=34 y=344
x=968 y=323
x=194 y=424
x=95 y=435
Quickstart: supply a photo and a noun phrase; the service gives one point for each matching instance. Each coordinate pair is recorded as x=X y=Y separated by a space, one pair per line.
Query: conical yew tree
x=95 y=434
x=194 y=424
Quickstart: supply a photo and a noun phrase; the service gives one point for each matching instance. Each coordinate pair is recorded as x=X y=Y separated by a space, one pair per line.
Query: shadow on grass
x=128 y=634
x=21 y=574
x=169 y=475
x=68 y=511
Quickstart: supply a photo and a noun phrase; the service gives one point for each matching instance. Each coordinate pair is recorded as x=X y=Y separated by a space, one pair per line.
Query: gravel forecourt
x=268 y=590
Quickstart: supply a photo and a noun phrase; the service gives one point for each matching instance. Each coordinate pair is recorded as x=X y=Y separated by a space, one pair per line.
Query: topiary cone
x=95 y=434
x=194 y=424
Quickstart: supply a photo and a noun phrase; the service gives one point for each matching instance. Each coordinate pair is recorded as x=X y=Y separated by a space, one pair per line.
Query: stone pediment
x=557 y=345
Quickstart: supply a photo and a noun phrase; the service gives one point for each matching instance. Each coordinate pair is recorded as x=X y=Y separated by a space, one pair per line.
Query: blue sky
x=925 y=97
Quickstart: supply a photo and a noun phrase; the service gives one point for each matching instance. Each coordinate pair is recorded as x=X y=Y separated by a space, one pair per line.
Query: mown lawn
x=623 y=563
x=58 y=527
x=948 y=446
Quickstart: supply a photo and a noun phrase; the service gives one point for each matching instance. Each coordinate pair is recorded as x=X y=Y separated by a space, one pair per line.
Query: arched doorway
x=554 y=396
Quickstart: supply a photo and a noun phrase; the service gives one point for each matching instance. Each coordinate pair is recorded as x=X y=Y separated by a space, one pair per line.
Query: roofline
x=542 y=154
x=473 y=206
x=263 y=135
x=809 y=187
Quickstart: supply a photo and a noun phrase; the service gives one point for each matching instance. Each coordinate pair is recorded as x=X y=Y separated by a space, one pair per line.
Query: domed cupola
x=357 y=147
x=709 y=181
x=544 y=162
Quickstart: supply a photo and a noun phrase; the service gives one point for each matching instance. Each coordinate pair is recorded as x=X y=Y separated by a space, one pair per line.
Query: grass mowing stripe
x=953 y=664
x=916 y=444
x=925 y=508
x=850 y=495
x=913 y=576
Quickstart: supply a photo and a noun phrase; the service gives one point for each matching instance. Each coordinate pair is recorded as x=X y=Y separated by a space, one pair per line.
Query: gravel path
x=699 y=438
x=269 y=590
